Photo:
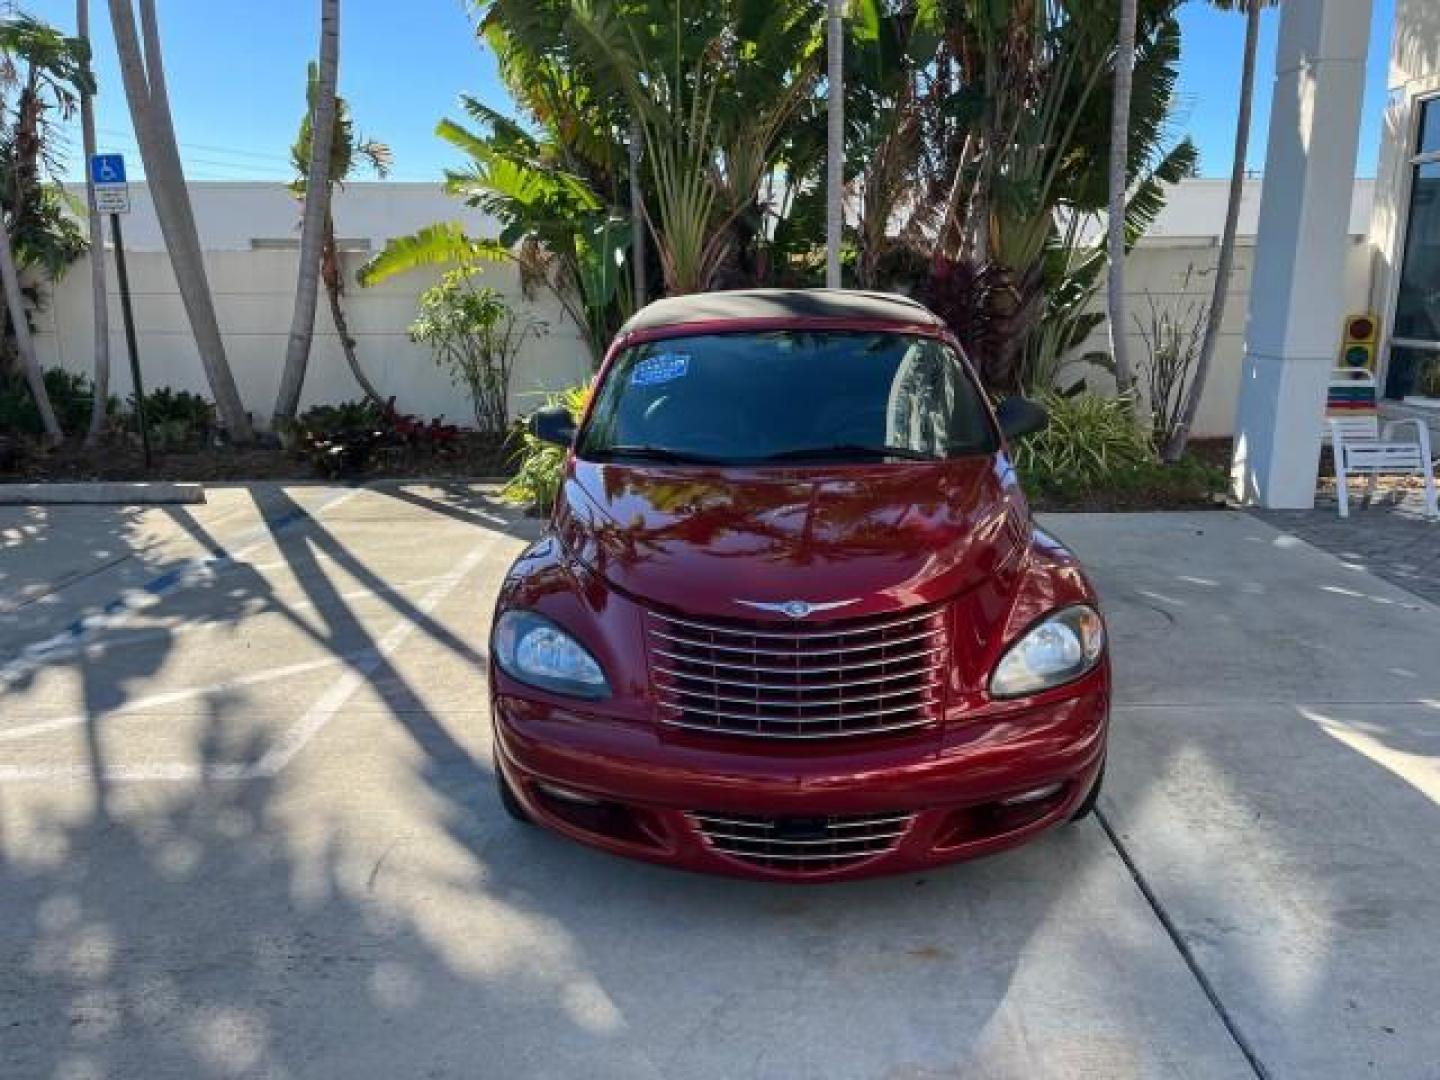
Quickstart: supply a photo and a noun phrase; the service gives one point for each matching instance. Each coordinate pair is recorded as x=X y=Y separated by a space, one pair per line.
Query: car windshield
x=788 y=396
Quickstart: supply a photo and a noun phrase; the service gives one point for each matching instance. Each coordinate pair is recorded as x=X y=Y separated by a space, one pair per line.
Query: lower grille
x=799 y=681
x=802 y=844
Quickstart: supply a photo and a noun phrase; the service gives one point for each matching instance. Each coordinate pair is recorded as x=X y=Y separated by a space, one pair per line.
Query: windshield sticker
x=659 y=369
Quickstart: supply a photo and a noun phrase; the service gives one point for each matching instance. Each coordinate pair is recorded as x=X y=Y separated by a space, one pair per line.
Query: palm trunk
x=835 y=142
x=143 y=73
x=1119 y=189
x=1225 y=264
x=100 y=300
x=317 y=214
x=335 y=290
x=638 y=222
x=24 y=343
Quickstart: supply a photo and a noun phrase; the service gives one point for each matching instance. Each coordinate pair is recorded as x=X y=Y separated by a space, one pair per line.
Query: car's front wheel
x=1086 y=808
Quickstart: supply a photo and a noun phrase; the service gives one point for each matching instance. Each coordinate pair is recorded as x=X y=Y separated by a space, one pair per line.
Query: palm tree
x=24 y=342
x=321 y=95
x=1225 y=264
x=50 y=71
x=346 y=149
x=1119 y=189
x=100 y=300
x=635 y=151
x=142 y=70
x=834 y=139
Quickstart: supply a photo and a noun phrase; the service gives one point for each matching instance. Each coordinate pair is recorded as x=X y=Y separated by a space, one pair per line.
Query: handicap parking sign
x=107 y=168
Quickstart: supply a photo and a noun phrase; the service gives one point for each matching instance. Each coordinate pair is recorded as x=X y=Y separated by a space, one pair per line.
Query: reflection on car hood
x=886 y=535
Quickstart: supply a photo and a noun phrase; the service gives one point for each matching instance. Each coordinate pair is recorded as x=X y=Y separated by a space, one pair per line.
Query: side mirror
x=1020 y=416
x=553 y=424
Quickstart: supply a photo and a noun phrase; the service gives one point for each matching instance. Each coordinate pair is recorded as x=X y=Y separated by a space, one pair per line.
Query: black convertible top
x=781 y=304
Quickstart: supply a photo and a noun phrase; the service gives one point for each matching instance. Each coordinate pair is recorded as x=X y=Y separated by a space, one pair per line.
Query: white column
x=1298 y=282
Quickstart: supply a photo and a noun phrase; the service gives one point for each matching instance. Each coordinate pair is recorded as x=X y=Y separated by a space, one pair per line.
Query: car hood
x=885 y=536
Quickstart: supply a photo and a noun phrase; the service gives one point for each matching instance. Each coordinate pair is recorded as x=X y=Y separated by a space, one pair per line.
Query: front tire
x=1086 y=808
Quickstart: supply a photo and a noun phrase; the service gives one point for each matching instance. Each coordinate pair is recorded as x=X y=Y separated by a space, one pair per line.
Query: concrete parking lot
x=247 y=829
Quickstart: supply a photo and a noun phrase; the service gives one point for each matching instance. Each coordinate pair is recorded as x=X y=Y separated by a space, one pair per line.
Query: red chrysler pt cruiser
x=792 y=618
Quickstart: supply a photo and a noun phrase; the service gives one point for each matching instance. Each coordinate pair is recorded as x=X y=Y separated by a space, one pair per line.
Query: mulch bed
x=475 y=455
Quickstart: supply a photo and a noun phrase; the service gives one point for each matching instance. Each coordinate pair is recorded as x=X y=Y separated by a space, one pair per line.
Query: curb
x=100 y=494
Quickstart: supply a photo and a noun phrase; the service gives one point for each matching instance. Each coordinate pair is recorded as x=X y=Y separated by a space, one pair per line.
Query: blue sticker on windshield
x=661 y=368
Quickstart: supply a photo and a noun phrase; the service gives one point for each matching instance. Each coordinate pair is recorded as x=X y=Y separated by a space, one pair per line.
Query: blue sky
x=237 y=81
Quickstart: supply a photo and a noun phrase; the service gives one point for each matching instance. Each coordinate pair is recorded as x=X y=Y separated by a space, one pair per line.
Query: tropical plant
x=348 y=151
x=46 y=71
x=70 y=393
x=1089 y=440
x=1119 y=190
x=717 y=88
x=476 y=336
x=142 y=68
x=176 y=418
x=1016 y=132
x=344 y=439
x=834 y=139
x=554 y=227
x=690 y=125
x=320 y=117
x=341 y=440
x=1172 y=333
x=540 y=466
x=1175 y=448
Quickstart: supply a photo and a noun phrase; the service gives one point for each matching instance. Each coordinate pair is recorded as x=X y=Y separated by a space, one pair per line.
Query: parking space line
x=35 y=655
x=172 y=697
x=362 y=665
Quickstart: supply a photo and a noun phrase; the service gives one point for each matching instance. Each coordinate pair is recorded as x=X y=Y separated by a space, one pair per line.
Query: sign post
x=112 y=196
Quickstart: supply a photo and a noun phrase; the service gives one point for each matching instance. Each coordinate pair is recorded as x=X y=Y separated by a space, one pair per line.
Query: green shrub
x=176 y=418
x=1089 y=442
x=540 y=465
x=72 y=395
x=474 y=335
x=341 y=440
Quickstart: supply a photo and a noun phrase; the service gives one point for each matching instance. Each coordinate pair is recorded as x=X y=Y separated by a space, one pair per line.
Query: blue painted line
x=157 y=586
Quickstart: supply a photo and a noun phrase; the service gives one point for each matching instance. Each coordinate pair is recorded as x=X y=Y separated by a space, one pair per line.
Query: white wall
x=1186 y=236
x=254 y=295
x=254 y=289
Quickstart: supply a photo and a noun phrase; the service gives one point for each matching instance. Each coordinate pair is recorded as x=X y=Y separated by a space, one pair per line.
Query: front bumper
x=633 y=789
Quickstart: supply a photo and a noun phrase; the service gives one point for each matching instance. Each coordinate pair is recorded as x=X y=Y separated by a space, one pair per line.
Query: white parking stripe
x=362 y=666
x=116 y=613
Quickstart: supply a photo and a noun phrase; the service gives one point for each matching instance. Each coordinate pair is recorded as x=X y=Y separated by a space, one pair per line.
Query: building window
x=1415 y=347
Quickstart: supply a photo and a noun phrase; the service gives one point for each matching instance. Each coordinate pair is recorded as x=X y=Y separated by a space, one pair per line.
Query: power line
x=281 y=161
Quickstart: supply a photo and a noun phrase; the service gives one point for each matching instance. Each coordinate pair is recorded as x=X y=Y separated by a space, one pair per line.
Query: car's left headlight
x=1058 y=649
x=533 y=650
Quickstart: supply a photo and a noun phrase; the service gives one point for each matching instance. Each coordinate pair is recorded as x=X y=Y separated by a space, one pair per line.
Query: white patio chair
x=1362 y=446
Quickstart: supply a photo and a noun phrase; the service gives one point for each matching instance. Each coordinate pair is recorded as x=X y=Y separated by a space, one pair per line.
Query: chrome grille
x=808 y=681
x=801 y=844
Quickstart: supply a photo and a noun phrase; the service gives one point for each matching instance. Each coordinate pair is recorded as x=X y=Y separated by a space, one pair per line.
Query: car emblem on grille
x=797 y=609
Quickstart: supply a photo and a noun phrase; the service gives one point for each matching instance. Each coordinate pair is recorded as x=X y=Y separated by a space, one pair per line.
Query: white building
x=250 y=233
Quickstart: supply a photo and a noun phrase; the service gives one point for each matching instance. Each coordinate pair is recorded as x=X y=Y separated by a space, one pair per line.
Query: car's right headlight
x=1060 y=648
x=531 y=649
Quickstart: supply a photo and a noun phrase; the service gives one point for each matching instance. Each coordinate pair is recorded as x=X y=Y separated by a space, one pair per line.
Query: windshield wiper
x=646 y=452
x=851 y=450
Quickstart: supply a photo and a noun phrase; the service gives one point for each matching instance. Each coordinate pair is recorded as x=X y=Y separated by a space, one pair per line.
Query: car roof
x=780 y=305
